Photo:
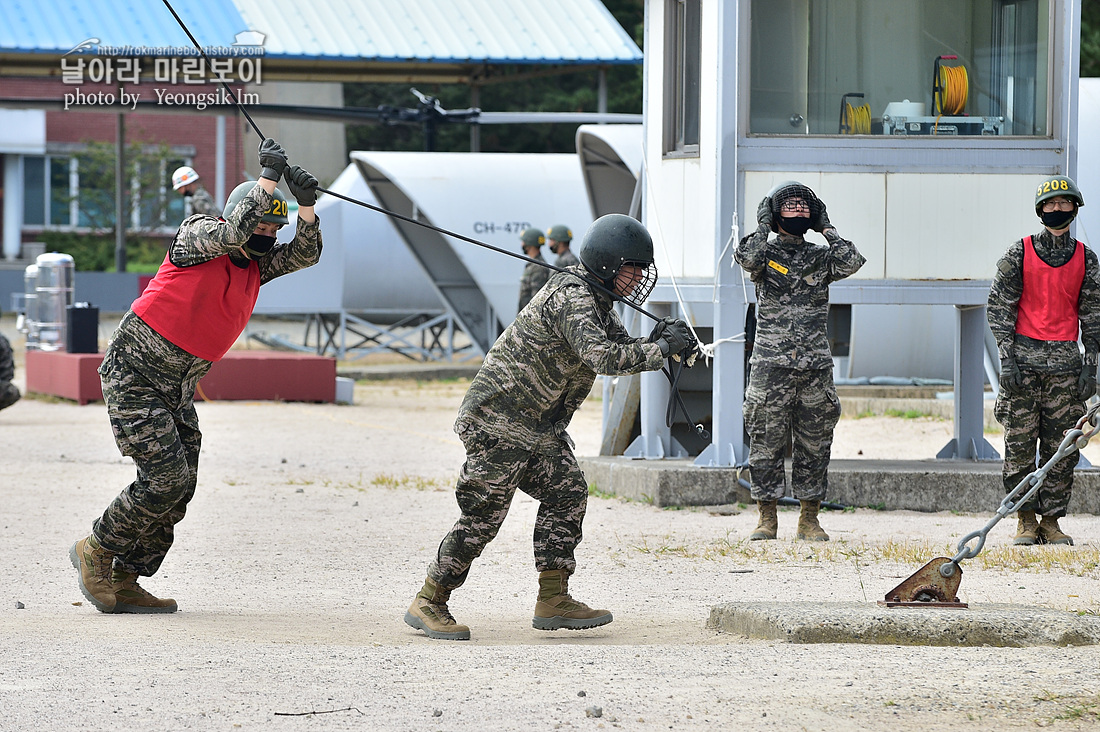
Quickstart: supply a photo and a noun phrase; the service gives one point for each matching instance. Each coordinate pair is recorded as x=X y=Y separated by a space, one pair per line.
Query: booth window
x=886 y=67
x=681 y=77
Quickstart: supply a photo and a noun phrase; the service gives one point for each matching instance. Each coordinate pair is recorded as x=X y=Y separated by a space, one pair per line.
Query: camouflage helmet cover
x=532 y=237
x=276 y=213
x=1055 y=186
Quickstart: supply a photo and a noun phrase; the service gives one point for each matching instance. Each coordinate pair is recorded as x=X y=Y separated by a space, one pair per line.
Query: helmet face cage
x=788 y=191
x=640 y=287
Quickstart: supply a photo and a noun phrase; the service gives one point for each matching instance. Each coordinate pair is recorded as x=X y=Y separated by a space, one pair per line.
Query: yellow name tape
x=777 y=267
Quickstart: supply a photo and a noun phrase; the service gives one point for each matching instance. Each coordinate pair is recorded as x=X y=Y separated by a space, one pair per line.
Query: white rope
x=707 y=349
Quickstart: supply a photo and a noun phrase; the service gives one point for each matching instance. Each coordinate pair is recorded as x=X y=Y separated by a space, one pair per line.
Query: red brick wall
x=80 y=124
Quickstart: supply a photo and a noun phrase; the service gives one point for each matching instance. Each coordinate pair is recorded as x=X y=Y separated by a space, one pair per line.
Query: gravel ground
x=310 y=533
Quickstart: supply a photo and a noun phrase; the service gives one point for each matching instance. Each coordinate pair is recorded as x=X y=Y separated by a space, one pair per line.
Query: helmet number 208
x=1046 y=187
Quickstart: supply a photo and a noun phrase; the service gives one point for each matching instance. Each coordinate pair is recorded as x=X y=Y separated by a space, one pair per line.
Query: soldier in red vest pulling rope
x=186 y=319
x=1046 y=289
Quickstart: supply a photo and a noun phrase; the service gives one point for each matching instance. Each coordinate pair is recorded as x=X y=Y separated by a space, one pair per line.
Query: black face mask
x=794 y=225
x=258 y=245
x=1057 y=219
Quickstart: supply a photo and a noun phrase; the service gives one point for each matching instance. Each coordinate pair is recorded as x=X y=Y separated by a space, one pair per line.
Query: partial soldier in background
x=196 y=200
x=187 y=318
x=9 y=392
x=1047 y=285
x=791 y=387
x=557 y=239
x=534 y=275
x=514 y=416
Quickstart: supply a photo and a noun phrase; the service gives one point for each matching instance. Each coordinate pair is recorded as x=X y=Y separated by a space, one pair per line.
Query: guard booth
x=924 y=127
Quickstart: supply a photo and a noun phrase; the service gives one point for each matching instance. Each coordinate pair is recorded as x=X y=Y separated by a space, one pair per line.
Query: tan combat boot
x=1027 y=529
x=555 y=609
x=1050 y=533
x=429 y=613
x=130 y=597
x=109 y=590
x=768 y=526
x=808 y=527
x=93 y=565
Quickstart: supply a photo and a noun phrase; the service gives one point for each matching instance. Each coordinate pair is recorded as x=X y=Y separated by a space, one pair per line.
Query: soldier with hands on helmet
x=791 y=387
x=514 y=416
x=534 y=275
x=1045 y=290
x=187 y=318
x=558 y=238
x=186 y=181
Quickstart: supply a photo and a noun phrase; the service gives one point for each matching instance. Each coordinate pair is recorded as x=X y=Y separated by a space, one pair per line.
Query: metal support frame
x=969 y=442
x=656 y=440
x=418 y=337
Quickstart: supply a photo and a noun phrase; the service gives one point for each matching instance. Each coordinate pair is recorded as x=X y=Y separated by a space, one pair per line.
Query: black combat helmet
x=787 y=190
x=615 y=240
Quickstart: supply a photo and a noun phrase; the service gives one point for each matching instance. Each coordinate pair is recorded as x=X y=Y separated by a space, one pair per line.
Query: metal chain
x=1074 y=441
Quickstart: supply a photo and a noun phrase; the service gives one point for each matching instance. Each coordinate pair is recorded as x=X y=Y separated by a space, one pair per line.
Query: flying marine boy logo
x=239 y=63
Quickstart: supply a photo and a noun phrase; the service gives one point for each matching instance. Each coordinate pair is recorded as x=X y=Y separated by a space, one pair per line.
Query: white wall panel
x=955 y=226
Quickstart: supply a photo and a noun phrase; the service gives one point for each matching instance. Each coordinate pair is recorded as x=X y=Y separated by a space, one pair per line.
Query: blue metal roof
x=392 y=31
x=57 y=26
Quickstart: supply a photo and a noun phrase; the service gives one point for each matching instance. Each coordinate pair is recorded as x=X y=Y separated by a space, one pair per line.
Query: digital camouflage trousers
x=492 y=473
x=154 y=422
x=802 y=404
x=1045 y=408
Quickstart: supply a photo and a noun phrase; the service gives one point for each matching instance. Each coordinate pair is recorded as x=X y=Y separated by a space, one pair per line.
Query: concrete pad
x=1013 y=626
x=664 y=482
x=912 y=485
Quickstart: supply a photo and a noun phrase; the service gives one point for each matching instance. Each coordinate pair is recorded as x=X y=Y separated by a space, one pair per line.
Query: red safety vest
x=1048 y=304
x=201 y=308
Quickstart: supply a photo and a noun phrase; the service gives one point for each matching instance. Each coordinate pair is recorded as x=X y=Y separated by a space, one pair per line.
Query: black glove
x=1012 y=379
x=272 y=159
x=659 y=329
x=764 y=213
x=676 y=338
x=820 y=221
x=1086 y=382
x=302 y=185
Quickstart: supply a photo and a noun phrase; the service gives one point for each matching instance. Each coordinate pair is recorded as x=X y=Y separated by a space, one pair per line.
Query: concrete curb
x=917 y=485
x=998 y=625
x=409 y=371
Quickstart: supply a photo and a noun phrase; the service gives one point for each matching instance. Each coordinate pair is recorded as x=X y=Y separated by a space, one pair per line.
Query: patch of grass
x=864 y=414
x=907 y=413
x=595 y=492
x=406 y=481
x=909 y=556
x=877 y=506
x=47 y=398
x=1073 y=708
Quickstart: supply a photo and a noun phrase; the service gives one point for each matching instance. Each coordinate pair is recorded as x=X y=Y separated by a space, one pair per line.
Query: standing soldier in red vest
x=187 y=318
x=1045 y=285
